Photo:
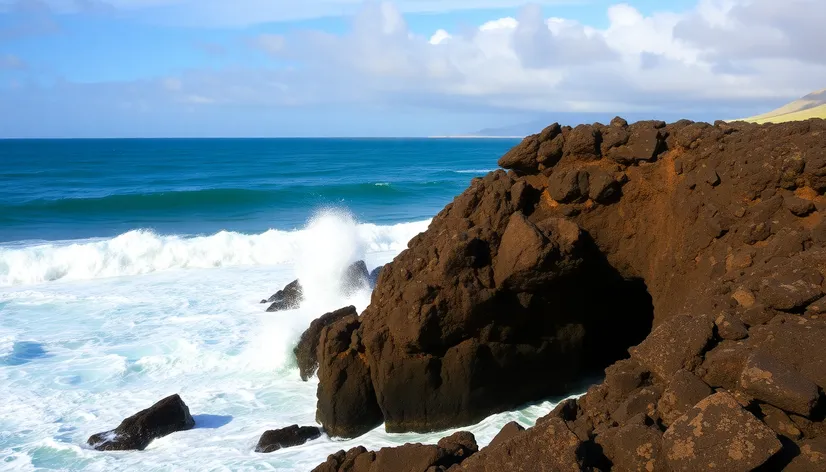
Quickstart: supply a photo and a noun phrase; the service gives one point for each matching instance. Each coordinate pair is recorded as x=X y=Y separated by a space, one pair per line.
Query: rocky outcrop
x=290 y=436
x=305 y=351
x=532 y=278
x=447 y=454
x=355 y=277
x=288 y=298
x=136 y=432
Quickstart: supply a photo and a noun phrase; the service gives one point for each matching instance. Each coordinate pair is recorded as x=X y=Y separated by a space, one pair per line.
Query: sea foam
x=142 y=251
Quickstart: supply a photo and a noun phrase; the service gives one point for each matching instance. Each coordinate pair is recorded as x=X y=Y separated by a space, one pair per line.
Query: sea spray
x=142 y=252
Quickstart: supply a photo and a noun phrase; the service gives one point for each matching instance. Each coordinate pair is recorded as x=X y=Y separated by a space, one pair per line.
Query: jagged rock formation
x=136 y=432
x=305 y=351
x=721 y=224
x=288 y=298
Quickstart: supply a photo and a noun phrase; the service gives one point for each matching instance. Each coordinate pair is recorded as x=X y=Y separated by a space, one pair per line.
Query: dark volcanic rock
x=718 y=434
x=290 y=436
x=347 y=404
x=509 y=431
x=531 y=280
x=136 y=432
x=448 y=453
x=305 y=351
x=289 y=298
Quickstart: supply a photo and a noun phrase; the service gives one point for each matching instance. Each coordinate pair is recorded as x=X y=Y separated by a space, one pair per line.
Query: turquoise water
x=70 y=189
x=132 y=269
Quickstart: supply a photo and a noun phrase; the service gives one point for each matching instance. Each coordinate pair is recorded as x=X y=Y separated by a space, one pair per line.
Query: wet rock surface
x=288 y=298
x=290 y=436
x=686 y=254
x=168 y=416
x=306 y=350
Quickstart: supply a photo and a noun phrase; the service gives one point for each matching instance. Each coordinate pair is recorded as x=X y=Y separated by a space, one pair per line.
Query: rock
x=583 y=143
x=798 y=206
x=797 y=342
x=374 y=275
x=567 y=187
x=509 y=431
x=790 y=288
x=644 y=401
x=683 y=392
x=812 y=456
x=347 y=404
x=522 y=158
x=550 y=151
x=779 y=422
x=769 y=380
x=634 y=448
x=723 y=364
x=730 y=328
x=642 y=142
x=549 y=447
x=718 y=434
x=289 y=298
x=305 y=351
x=168 y=416
x=290 y=436
x=601 y=185
x=355 y=278
x=449 y=452
x=674 y=345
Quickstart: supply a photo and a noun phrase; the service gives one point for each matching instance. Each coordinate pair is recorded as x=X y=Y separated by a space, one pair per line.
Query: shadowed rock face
x=136 y=432
x=305 y=351
x=721 y=225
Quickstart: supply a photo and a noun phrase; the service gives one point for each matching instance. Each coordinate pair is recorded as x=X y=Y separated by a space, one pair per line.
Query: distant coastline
x=471 y=136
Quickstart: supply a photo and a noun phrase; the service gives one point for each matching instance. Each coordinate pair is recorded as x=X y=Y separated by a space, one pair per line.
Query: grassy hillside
x=810 y=106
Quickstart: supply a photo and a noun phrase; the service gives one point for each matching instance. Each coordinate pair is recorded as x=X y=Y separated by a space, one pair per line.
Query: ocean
x=133 y=269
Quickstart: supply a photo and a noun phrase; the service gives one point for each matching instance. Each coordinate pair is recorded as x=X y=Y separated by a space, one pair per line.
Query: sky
x=235 y=68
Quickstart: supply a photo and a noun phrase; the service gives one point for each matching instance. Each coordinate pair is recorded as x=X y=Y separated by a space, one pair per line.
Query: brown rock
x=136 y=432
x=509 y=431
x=769 y=380
x=676 y=344
x=634 y=448
x=566 y=187
x=644 y=141
x=550 y=447
x=683 y=392
x=582 y=143
x=812 y=456
x=779 y=422
x=723 y=364
x=730 y=328
x=644 y=401
x=550 y=151
x=798 y=206
x=522 y=158
x=290 y=436
x=718 y=434
x=791 y=287
x=305 y=351
x=347 y=404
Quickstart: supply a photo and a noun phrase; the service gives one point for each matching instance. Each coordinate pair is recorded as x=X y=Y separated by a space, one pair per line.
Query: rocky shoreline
x=686 y=261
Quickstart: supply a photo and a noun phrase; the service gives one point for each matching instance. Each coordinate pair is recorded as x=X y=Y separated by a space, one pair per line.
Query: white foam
x=142 y=252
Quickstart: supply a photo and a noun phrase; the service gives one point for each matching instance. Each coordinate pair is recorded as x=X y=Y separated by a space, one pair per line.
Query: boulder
x=509 y=431
x=136 y=432
x=347 y=404
x=290 y=436
x=634 y=448
x=771 y=381
x=674 y=345
x=718 y=433
x=583 y=143
x=288 y=298
x=355 y=277
x=447 y=454
x=374 y=275
x=549 y=447
x=305 y=351
x=683 y=392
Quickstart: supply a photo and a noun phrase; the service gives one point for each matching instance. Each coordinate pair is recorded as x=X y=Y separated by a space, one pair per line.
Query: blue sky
x=88 y=68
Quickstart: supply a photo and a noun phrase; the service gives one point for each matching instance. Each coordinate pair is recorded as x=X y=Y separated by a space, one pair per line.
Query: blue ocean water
x=132 y=269
x=70 y=189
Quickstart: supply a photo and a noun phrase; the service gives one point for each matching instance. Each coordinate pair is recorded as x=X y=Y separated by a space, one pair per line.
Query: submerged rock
x=305 y=351
x=290 y=436
x=136 y=432
x=289 y=298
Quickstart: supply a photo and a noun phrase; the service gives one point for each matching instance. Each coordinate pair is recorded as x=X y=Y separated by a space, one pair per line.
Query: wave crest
x=142 y=252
